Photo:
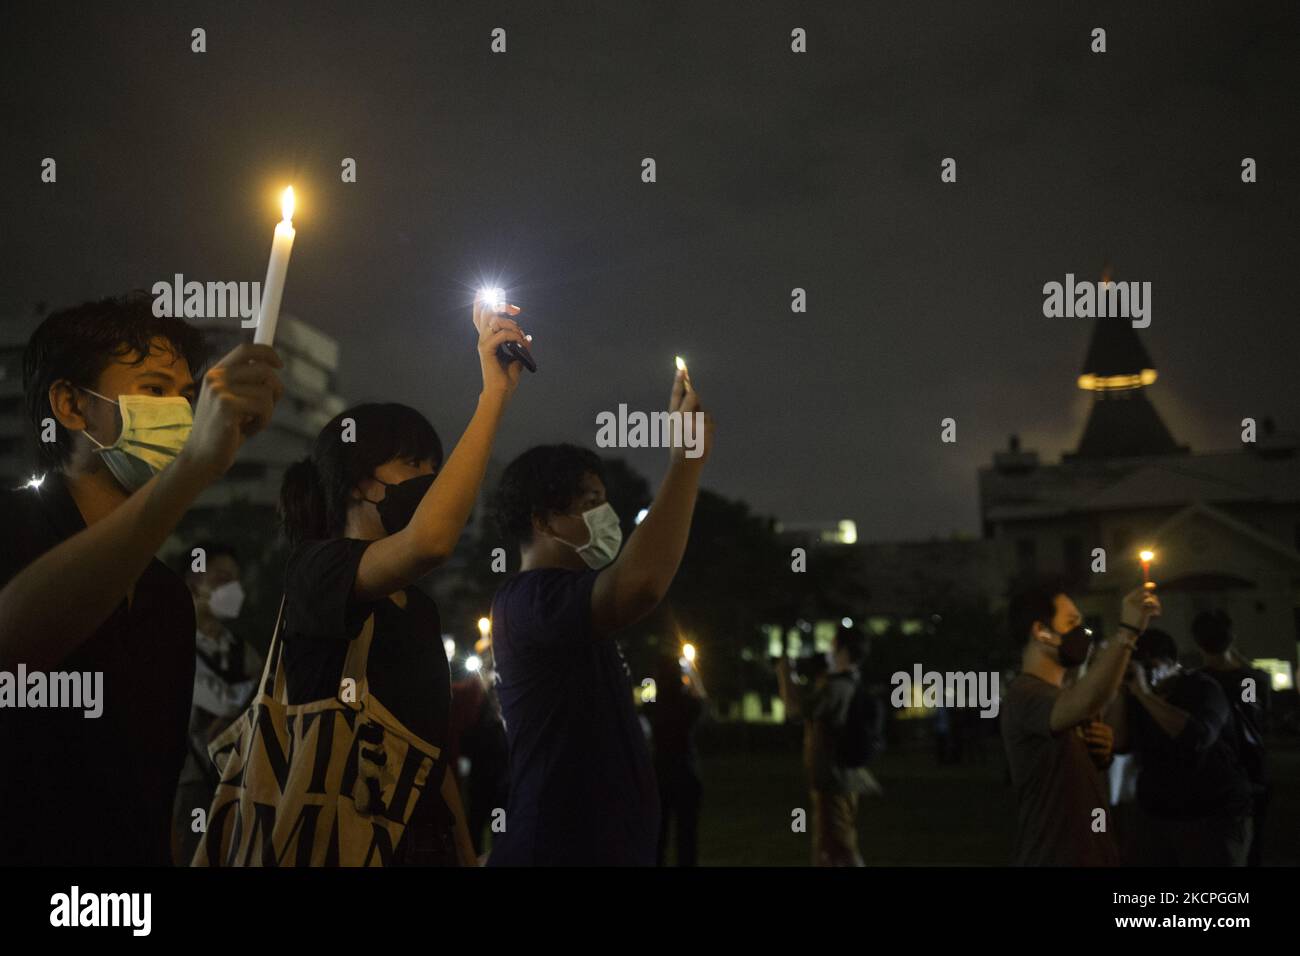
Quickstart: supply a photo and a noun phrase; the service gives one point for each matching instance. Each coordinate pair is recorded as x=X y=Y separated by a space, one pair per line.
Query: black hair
x=1034 y=601
x=1212 y=631
x=1155 y=645
x=78 y=343
x=854 y=642
x=316 y=491
x=543 y=479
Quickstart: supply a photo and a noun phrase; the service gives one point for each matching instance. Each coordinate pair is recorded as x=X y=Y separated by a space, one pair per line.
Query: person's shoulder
x=544 y=583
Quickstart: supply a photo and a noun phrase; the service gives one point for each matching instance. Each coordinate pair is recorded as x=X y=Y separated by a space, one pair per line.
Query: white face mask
x=226 y=600
x=604 y=539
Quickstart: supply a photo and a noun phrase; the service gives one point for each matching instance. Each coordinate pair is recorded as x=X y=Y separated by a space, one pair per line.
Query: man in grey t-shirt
x=1051 y=732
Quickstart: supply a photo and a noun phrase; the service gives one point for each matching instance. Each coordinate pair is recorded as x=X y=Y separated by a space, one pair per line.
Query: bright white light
x=846 y=621
x=35 y=481
x=449 y=646
x=688 y=652
x=485 y=626
x=473 y=664
x=640 y=515
x=493 y=296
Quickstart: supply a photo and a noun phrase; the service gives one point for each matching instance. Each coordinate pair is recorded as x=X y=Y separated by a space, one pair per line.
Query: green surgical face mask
x=154 y=430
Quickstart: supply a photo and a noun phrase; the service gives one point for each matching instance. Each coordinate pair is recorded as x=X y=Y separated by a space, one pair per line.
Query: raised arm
x=631 y=587
x=53 y=605
x=401 y=559
x=1092 y=692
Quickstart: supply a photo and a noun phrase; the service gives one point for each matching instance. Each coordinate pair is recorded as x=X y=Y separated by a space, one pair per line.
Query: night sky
x=775 y=170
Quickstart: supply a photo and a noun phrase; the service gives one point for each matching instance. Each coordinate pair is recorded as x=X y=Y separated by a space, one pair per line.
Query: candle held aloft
x=277 y=267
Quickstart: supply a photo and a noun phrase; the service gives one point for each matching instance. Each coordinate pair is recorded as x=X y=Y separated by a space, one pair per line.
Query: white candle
x=276 y=269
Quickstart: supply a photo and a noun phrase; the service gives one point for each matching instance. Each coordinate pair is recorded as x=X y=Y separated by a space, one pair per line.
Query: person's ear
x=66 y=405
x=541 y=522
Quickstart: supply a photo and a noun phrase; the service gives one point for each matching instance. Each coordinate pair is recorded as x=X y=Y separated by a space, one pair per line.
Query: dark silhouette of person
x=673 y=715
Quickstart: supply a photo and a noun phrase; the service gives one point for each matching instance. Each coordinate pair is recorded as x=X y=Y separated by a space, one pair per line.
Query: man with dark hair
x=112 y=400
x=582 y=789
x=842 y=726
x=1051 y=731
x=1193 y=795
x=1249 y=695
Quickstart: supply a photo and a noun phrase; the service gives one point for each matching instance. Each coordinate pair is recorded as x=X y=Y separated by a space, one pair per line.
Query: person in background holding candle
x=367 y=515
x=113 y=385
x=582 y=787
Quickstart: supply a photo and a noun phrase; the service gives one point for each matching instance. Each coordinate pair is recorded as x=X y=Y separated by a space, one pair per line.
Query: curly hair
x=543 y=479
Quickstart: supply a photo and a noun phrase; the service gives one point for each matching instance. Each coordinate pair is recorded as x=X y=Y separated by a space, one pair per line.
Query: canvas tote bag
x=328 y=783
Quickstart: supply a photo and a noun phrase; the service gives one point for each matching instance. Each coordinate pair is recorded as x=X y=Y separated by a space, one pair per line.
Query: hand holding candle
x=276 y=270
x=1146 y=556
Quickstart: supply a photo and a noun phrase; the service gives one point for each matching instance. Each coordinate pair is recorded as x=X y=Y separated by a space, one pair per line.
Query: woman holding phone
x=369 y=512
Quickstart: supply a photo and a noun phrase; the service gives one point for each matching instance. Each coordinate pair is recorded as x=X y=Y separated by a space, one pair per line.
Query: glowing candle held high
x=276 y=270
x=1146 y=557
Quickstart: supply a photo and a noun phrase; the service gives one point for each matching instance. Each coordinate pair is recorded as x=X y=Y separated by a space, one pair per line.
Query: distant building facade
x=1224 y=526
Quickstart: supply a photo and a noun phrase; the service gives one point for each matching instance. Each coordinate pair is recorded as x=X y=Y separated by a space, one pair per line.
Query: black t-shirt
x=1197 y=773
x=582 y=790
x=97 y=791
x=407 y=670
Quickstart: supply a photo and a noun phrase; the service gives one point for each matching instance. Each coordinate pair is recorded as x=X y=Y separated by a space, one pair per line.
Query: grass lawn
x=930 y=815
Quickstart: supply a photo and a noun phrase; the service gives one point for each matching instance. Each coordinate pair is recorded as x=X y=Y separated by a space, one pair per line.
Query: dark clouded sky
x=775 y=170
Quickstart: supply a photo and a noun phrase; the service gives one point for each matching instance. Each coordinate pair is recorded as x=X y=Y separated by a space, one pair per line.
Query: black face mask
x=1074 y=646
x=400 y=501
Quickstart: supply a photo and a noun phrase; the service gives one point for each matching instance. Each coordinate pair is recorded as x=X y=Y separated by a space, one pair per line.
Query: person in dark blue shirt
x=582 y=788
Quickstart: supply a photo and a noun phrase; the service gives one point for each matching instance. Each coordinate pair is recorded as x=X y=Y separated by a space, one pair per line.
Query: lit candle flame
x=681 y=364
x=1147 y=556
x=688 y=652
x=484 y=626
x=286 y=204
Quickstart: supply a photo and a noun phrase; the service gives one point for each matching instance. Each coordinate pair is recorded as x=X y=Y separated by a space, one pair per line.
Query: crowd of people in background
x=1116 y=753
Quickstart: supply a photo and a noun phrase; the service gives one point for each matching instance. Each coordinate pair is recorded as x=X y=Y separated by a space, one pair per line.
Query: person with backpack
x=842 y=733
x=363 y=676
x=1193 y=795
x=1248 y=692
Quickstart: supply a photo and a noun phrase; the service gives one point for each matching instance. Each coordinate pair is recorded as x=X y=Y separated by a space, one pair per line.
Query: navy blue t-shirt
x=582 y=789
